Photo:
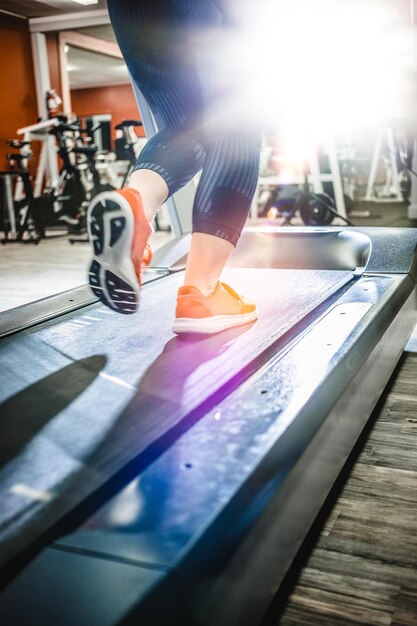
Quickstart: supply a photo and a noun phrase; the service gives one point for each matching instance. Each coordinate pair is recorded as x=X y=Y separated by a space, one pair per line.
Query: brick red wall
x=17 y=84
x=52 y=47
x=118 y=100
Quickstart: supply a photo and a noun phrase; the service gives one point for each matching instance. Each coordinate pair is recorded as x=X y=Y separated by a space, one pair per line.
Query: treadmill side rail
x=374 y=250
x=19 y=318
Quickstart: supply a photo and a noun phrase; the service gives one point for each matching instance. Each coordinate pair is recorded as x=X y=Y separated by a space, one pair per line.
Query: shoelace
x=147 y=255
x=146 y=259
x=232 y=292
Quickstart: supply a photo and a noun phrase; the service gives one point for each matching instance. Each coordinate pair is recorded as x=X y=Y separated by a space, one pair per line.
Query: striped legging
x=184 y=58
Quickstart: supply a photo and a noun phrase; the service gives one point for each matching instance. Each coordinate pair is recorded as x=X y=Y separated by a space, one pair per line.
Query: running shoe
x=222 y=309
x=119 y=231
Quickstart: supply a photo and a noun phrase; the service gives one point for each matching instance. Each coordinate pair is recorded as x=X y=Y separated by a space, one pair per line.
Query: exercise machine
x=128 y=145
x=78 y=181
x=66 y=199
x=22 y=220
x=153 y=479
x=313 y=204
x=315 y=209
x=128 y=148
x=389 y=179
x=47 y=169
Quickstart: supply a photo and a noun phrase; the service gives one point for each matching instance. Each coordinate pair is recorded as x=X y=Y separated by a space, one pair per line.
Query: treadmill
x=152 y=479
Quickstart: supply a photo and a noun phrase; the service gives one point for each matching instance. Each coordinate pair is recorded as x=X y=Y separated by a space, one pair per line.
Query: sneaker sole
x=112 y=276
x=211 y=325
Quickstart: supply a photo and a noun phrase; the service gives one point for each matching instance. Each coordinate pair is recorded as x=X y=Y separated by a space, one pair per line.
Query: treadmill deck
x=207 y=459
x=85 y=394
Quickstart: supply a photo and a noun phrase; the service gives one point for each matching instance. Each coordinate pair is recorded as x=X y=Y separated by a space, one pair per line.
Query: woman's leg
x=180 y=92
x=152 y=37
x=119 y=222
x=180 y=77
x=221 y=206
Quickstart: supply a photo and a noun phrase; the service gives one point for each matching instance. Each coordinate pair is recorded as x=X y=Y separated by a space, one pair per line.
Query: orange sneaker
x=119 y=231
x=222 y=309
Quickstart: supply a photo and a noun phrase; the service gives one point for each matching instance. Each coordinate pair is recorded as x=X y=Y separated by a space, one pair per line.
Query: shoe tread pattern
x=122 y=296
x=111 y=289
x=117 y=225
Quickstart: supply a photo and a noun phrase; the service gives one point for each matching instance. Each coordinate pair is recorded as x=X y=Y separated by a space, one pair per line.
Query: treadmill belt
x=86 y=393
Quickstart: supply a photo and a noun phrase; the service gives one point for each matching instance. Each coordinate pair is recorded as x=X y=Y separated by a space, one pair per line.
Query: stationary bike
x=128 y=147
x=28 y=225
x=315 y=209
x=78 y=180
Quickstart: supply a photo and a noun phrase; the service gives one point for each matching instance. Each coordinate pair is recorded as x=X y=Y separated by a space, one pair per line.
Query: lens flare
x=318 y=68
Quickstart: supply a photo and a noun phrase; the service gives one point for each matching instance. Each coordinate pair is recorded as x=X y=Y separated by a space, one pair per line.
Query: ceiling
x=90 y=69
x=86 y=69
x=105 y=31
x=34 y=8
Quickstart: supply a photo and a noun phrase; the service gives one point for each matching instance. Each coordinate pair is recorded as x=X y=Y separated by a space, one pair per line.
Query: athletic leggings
x=183 y=56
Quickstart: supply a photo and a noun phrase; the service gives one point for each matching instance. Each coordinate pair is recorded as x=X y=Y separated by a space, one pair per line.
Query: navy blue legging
x=184 y=58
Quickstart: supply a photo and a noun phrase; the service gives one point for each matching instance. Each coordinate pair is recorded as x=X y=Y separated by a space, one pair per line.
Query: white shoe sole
x=112 y=276
x=211 y=325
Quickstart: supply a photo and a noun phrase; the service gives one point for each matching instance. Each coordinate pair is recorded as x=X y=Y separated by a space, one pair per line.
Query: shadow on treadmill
x=26 y=413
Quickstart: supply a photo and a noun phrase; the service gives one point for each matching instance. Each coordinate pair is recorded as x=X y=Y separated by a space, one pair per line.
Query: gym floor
x=359 y=563
x=31 y=272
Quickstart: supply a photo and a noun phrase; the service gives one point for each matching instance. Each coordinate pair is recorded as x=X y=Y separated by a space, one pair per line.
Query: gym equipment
x=78 y=181
x=280 y=202
x=74 y=184
x=8 y=217
x=128 y=144
x=384 y=181
x=153 y=479
x=47 y=169
x=53 y=103
x=314 y=177
x=315 y=209
x=128 y=147
x=67 y=198
x=23 y=219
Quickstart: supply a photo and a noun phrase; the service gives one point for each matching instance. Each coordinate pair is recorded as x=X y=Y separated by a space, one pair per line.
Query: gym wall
x=118 y=100
x=17 y=84
x=52 y=48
